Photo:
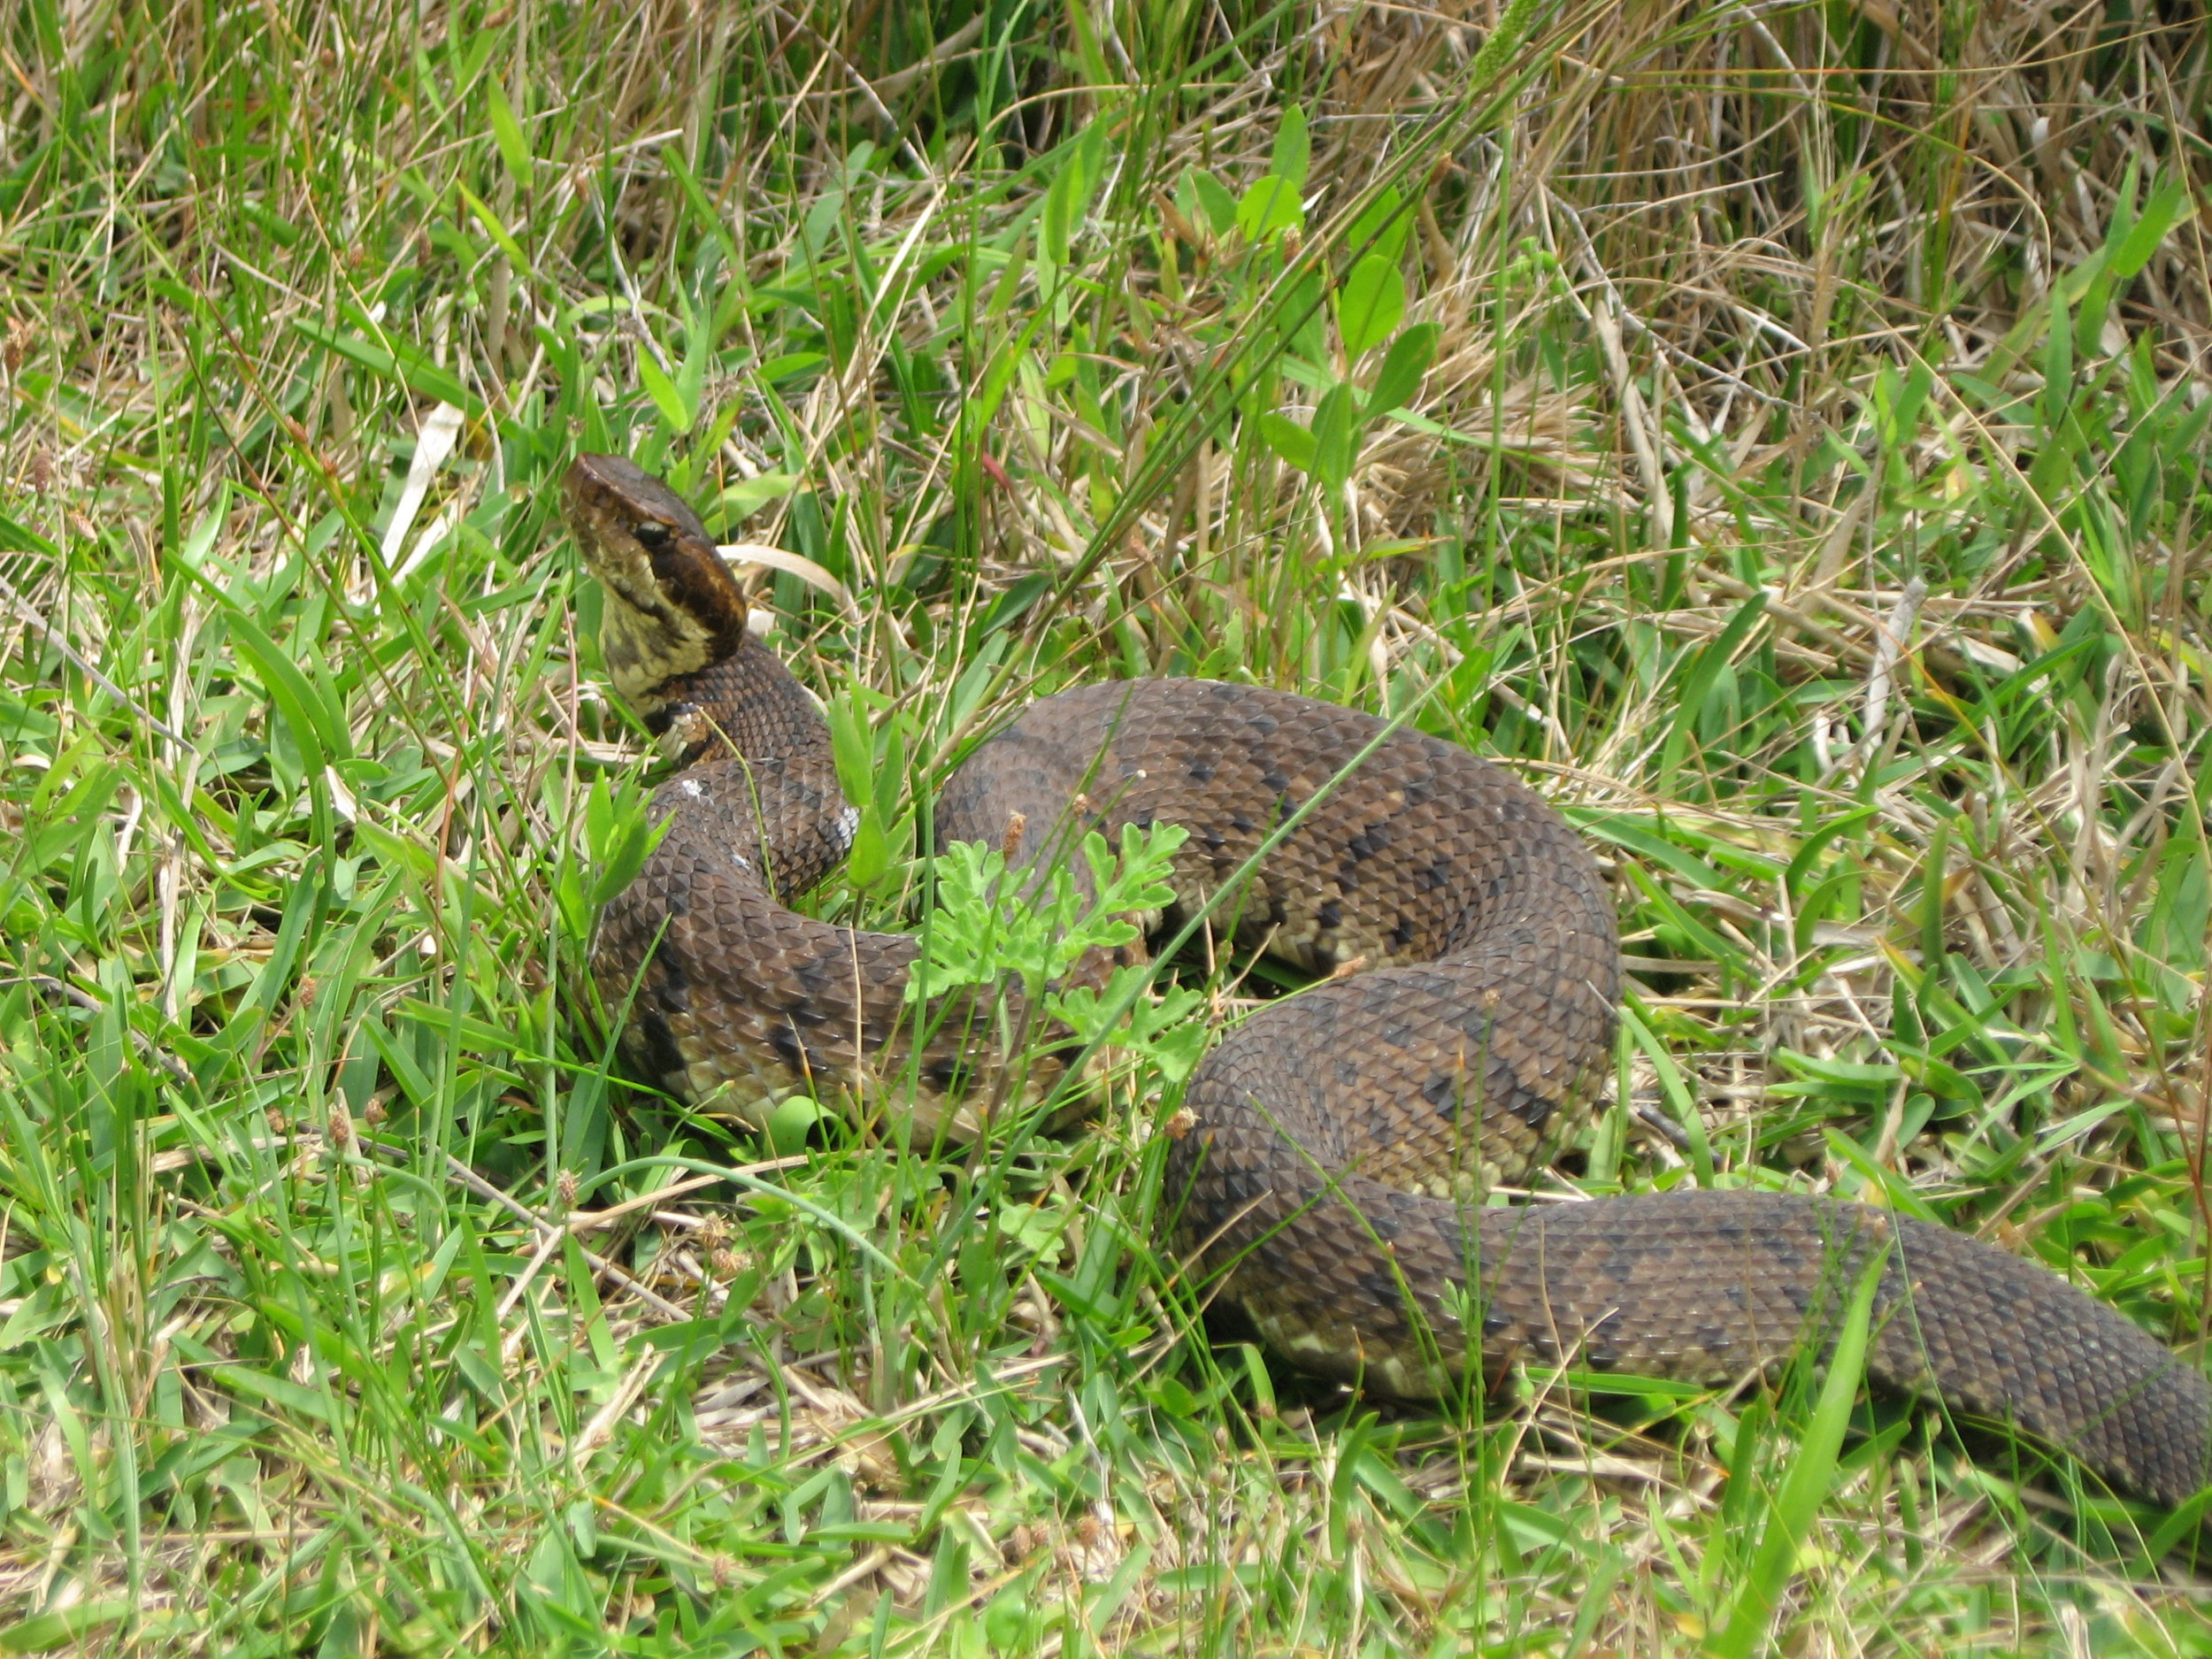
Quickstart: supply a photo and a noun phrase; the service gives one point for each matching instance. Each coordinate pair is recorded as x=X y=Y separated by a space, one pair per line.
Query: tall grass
x=1778 y=432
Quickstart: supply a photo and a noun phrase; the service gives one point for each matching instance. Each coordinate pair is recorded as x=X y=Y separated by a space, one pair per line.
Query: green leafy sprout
x=993 y=924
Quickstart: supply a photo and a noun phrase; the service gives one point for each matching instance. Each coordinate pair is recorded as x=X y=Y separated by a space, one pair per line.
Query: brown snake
x=1336 y=1137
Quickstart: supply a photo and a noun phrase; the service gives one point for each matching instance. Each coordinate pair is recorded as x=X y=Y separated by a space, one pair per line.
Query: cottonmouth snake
x=1335 y=1137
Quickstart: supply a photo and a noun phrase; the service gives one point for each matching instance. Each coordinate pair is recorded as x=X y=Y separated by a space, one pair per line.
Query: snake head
x=672 y=607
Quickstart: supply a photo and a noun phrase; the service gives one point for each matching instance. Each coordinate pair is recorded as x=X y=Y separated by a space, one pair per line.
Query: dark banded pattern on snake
x=1336 y=1137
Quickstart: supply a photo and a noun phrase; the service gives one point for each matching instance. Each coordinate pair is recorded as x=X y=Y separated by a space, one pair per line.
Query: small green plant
x=1368 y=300
x=992 y=925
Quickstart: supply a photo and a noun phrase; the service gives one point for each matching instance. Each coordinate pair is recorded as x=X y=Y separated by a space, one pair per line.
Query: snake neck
x=673 y=633
x=745 y=706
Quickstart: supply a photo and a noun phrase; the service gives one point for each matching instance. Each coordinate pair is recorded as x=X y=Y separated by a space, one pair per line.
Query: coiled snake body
x=1335 y=1137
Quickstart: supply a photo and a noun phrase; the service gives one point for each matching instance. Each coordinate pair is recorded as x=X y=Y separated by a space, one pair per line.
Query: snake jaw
x=672 y=608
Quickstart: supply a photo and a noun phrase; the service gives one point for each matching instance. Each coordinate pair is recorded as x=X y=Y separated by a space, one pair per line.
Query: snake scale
x=1334 y=1139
